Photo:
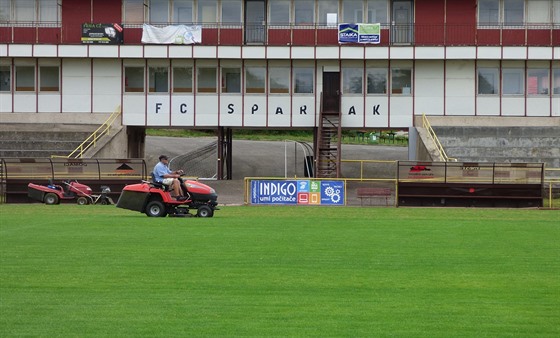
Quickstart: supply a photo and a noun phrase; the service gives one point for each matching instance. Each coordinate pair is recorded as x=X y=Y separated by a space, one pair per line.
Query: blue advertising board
x=292 y=192
x=359 y=33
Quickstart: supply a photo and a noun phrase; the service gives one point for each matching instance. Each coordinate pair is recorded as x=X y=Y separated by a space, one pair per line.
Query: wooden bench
x=370 y=193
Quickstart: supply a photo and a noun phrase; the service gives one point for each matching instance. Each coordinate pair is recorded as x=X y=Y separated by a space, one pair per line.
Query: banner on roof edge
x=102 y=33
x=359 y=33
x=176 y=35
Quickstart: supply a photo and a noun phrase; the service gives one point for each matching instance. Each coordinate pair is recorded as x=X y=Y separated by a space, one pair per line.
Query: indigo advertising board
x=292 y=192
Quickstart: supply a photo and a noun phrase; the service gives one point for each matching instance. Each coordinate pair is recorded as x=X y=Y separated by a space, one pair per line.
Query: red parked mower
x=54 y=193
x=155 y=200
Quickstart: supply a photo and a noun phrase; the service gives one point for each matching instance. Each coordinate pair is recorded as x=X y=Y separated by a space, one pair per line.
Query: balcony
x=545 y=35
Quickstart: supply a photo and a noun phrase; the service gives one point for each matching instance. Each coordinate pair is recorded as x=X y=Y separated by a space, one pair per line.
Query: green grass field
x=100 y=271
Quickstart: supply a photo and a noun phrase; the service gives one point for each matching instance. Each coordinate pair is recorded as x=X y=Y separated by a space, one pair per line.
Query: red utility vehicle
x=54 y=193
x=155 y=200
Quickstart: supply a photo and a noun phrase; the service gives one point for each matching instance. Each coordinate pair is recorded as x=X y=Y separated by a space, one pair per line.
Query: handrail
x=433 y=136
x=91 y=140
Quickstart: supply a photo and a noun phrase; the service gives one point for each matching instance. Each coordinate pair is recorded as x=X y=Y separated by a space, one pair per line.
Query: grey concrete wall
x=502 y=144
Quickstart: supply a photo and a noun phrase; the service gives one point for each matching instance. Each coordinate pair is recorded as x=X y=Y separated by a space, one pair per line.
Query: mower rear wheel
x=82 y=200
x=51 y=198
x=156 y=209
x=205 y=211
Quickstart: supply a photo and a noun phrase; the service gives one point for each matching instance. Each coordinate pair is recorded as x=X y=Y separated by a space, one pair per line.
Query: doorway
x=402 y=22
x=255 y=21
x=331 y=92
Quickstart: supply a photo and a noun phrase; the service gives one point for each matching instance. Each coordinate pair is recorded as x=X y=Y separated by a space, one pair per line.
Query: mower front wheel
x=82 y=200
x=51 y=198
x=156 y=209
x=205 y=211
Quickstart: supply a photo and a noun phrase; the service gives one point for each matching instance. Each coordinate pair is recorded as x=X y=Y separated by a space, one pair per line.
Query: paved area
x=278 y=159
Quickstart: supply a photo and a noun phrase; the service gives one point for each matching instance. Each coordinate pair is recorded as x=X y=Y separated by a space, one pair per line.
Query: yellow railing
x=92 y=140
x=432 y=134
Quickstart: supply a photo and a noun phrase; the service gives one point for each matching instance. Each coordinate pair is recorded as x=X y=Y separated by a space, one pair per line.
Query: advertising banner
x=102 y=33
x=177 y=35
x=293 y=192
x=359 y=33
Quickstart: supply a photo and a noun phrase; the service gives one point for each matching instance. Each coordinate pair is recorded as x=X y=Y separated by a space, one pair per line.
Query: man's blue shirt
x=159 y=170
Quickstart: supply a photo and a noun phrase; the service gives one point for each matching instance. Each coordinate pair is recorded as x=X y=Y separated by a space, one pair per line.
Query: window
x=352 y=80
x=512 y=81
x=231 y=12
x=207 y=11
x=488 y=12
x=158 y=80
x=556 y=81
x=5 y=79
x=556 y=12
x=304 y=12
x=48 y=11
x=49 y=79
x=42 y=11
x=159 y=11
x=377 y=81
x=182 y=80
x=377 y=11
x=207 y=80
x=352 y=11
x=537 y=81
x=303 y=80
x=5 y=10
x=488 y=81
x=25 y=78
x=279 y=12
x=134 y=79
x=538 y=11
x=328 y=12
x=401 y=81
x=279 y=80
x=254 y=80
x=183 y=11
x=507 y=12
x=514 y=11
x=24 y=10
x=231 y=80
x=133 y=11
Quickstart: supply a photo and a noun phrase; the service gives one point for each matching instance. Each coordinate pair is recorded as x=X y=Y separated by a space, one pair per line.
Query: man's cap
x=162 y=157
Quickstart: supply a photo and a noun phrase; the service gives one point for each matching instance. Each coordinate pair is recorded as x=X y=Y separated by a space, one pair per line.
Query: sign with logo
x=293 y=192
x=102 y=33
x=359 y=33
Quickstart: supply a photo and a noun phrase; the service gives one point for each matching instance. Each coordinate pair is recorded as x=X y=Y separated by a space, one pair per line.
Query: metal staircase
x=328 y=143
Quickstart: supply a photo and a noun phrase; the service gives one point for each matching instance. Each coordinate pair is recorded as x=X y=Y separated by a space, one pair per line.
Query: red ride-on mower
x=54 y=193
x=155 y=200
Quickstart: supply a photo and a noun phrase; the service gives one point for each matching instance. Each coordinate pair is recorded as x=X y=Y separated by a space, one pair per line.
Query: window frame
x=348 y=76
x=255 y=73
x=25 y=88
x=282 y=73
x=303 y=74
x=508 y=81
x=206 y=78
x=394 y=82
x=5 y=81
x=175 y=74
x=224 y=80
x=542 y=83
x=44 y=78
x=372 y=71
x=154 y=74
x=128 y=88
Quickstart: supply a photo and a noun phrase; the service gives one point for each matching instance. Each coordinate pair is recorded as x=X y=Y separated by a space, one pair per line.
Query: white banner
x=178 y=35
